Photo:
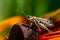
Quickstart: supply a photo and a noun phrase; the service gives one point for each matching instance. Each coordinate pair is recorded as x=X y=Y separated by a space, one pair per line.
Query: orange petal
x=9 y=22
x=51 y=14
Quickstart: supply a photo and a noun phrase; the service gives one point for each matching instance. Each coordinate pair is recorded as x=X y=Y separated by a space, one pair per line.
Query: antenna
x=24 y=13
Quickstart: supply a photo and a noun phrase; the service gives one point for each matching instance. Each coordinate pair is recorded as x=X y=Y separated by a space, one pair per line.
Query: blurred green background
x=9 y=8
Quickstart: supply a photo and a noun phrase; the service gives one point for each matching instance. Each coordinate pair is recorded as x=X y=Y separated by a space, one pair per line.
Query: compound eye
x=42 y=22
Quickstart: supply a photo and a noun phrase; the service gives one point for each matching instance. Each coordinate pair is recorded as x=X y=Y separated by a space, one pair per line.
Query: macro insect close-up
x=29 y=19
x=32 y=30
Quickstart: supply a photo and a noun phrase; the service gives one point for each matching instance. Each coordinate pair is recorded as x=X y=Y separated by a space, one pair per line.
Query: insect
x=39 y=22
x=30 y=32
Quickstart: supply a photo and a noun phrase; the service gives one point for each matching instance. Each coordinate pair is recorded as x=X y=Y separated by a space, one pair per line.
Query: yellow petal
x=9 y=22
x=2 y=38
x=52 y=14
